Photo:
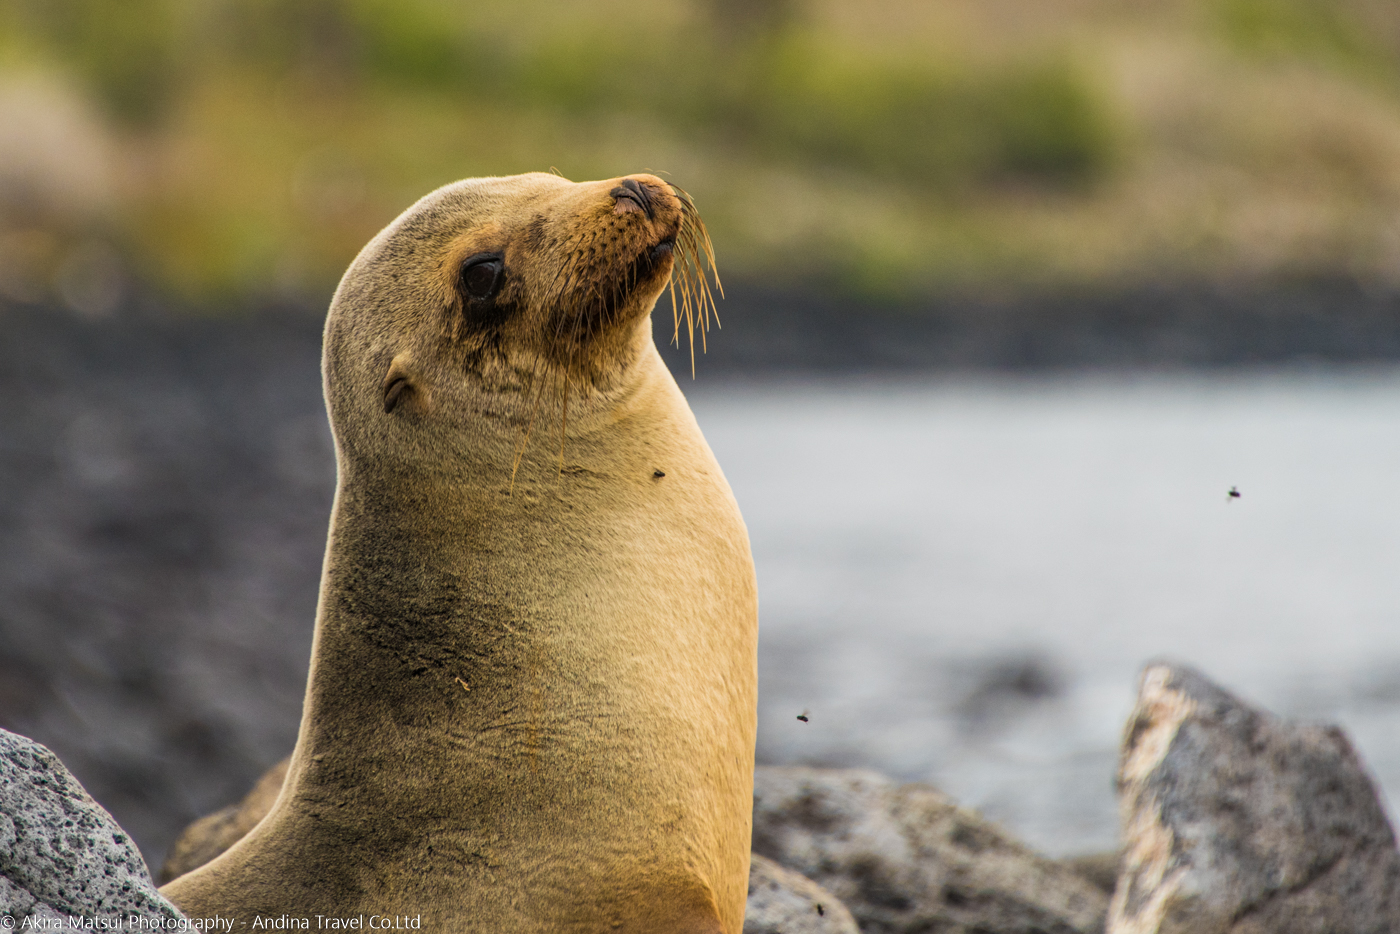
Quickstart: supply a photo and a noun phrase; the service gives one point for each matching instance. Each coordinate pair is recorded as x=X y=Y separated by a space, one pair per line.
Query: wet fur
x=531 y=699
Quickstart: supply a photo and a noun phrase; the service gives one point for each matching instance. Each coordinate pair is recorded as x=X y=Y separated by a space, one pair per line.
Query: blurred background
x=1017 y=291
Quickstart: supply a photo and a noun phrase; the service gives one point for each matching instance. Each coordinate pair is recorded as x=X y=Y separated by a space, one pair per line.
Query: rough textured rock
x=904 y=858
x=60 y=853
x=1237 y=821
x=783 y=902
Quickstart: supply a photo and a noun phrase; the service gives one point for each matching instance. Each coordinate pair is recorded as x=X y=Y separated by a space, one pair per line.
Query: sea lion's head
x=492 y=300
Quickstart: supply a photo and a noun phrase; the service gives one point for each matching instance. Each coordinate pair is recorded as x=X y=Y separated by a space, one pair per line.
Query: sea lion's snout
x=632 y=195
x=620 y=245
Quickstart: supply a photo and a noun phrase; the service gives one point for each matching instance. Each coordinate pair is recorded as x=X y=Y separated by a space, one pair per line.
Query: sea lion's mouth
x=663 y=249
x=614 y=289
x=648 y=263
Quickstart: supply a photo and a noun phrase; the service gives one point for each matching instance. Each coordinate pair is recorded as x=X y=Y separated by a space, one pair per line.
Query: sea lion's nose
x=631 y=195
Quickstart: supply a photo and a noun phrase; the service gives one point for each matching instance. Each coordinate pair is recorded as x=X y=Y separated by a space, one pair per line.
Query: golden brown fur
x=532 y=690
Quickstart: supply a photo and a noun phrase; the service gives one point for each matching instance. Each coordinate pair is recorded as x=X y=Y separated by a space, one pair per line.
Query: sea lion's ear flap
x=403 y=389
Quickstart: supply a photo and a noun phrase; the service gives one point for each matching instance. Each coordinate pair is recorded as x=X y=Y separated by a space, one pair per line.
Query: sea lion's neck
x=435 y=573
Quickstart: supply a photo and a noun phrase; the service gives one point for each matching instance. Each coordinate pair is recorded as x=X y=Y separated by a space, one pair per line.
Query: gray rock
x=905 y=858
x=1237 y=821
x=783 y=902
x=61 y=854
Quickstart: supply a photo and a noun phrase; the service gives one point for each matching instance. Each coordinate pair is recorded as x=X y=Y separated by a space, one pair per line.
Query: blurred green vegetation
x=259 y=143
x=803 y=94
x=1327 y=30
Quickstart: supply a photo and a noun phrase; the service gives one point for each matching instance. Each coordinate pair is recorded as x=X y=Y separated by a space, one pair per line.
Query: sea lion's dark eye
x=481 y=276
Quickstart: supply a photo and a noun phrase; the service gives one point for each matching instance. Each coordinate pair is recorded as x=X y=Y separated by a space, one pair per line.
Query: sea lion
x=531 y=703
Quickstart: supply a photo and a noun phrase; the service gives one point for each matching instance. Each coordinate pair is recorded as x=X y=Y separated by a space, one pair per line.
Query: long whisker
x=537 y=386
x=693 y=252
x=530 y=425
x=568 y=371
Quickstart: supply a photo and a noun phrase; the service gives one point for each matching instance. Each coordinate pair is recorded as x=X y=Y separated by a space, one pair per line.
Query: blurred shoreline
x=1186 y=326
x=764 y=330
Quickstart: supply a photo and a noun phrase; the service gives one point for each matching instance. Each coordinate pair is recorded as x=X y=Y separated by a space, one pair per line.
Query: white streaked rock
x=1238 y=822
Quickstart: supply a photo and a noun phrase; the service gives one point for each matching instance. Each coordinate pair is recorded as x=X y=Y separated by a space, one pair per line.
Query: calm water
x=959 y=580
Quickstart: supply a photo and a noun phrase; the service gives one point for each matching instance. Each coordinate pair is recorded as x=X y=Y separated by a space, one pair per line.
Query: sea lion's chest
x=610 y=600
